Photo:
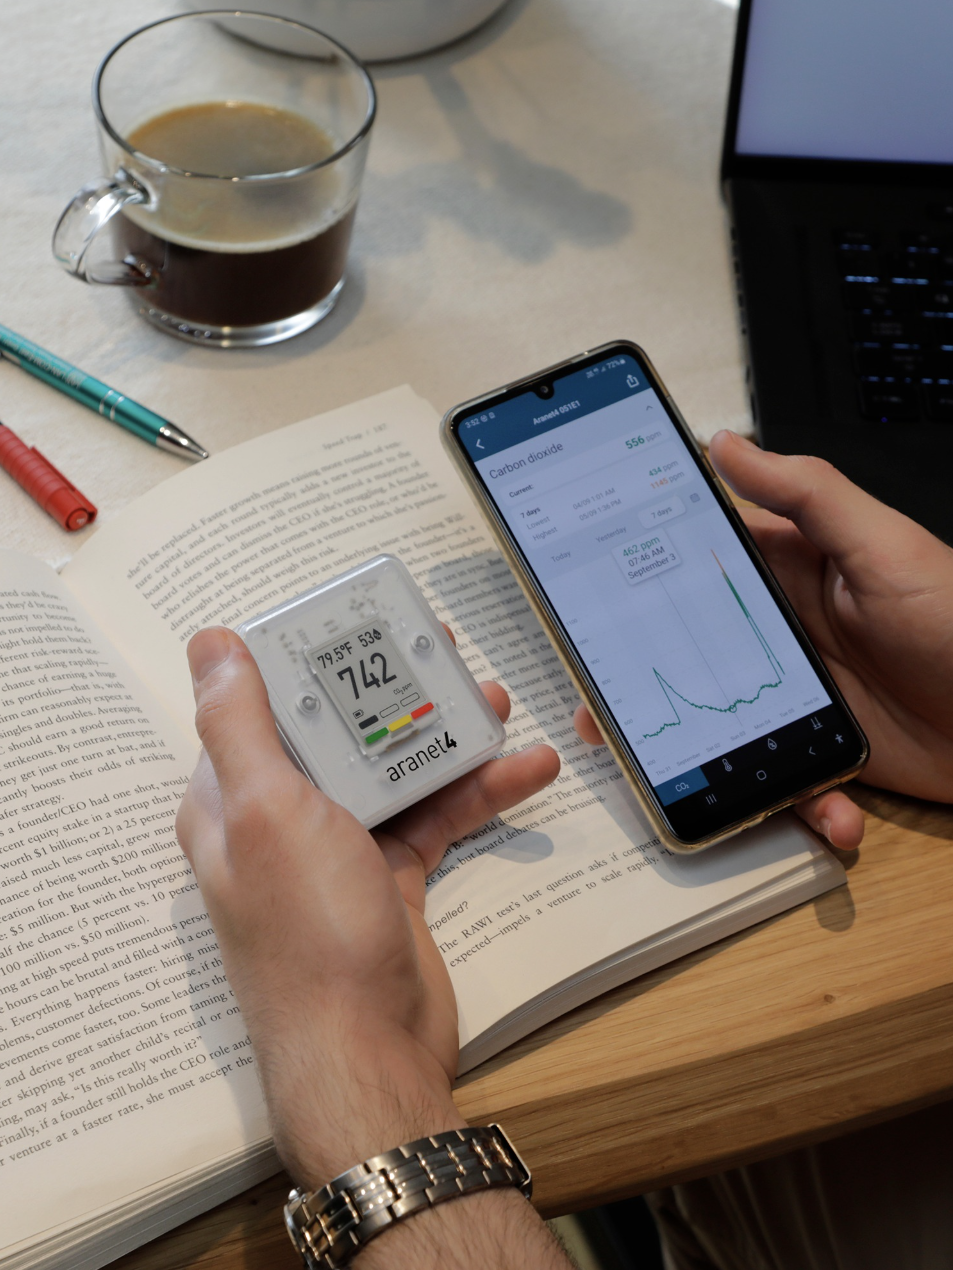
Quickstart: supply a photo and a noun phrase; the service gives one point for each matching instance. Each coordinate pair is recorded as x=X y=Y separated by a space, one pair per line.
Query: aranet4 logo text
x=414 y=762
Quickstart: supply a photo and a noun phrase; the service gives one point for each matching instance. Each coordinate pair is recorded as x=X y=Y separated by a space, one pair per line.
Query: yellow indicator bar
x=399 y=723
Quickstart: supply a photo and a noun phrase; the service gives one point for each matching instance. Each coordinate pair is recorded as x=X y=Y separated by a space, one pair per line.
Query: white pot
x=377 y=30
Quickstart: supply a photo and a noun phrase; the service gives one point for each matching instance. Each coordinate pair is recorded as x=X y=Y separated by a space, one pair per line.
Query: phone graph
x=677 y=699
x=654 y=587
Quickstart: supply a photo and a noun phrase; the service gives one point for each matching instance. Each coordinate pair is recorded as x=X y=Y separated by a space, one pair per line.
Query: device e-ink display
x=377 y=695
x=371 y=698
x=661 y=607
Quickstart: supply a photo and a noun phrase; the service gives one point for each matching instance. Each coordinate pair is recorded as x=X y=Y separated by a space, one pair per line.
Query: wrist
x=489 y=1228
x=356 y=1103
x=313 y=1161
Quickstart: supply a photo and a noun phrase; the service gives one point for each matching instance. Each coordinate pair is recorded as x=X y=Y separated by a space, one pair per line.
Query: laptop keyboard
x=899 y=294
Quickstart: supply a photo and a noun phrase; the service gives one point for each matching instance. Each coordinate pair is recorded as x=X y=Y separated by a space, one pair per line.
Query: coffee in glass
x=231 y=204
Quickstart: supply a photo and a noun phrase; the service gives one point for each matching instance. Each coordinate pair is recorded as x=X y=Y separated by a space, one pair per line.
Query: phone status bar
x=530 y=413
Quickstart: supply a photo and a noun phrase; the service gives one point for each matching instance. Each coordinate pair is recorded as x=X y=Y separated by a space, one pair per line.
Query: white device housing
x=371 y=698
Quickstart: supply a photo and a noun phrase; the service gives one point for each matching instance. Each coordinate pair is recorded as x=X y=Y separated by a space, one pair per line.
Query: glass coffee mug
x=234 y=173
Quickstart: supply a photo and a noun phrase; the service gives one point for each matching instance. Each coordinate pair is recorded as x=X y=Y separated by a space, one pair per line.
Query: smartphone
x=707 y=691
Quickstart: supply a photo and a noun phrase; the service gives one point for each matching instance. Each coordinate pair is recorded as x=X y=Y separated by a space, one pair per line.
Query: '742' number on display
x=368 y=680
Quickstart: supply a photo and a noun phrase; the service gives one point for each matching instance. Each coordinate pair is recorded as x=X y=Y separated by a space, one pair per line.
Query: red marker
x=45 y=485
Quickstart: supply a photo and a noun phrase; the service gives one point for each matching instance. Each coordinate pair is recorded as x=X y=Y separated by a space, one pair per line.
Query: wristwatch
x=330 y=1226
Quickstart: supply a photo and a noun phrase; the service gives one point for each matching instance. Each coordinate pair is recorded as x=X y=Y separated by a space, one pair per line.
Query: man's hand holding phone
x=874 y=590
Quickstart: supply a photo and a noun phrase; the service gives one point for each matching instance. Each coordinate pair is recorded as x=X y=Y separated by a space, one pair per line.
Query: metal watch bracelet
x=330 y=1226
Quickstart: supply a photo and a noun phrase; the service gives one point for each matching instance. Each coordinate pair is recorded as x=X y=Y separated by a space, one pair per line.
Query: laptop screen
x=848 y=79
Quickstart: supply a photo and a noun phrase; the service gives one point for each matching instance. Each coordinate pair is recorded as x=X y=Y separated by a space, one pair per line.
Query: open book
x=128 y=1095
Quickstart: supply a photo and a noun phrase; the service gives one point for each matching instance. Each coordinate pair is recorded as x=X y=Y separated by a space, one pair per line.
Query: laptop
x=838 y=173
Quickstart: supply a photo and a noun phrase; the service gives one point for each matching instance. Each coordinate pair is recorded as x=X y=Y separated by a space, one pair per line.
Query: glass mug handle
x=90 y=210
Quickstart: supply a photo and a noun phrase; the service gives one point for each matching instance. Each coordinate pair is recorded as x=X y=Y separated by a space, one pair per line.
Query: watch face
x=368 y=680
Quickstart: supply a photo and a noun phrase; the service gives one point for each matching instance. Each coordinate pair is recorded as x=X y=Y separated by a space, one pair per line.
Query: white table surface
x=546 y=185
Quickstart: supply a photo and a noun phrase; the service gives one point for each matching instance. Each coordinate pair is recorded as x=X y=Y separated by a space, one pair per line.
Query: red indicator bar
x=415 y=714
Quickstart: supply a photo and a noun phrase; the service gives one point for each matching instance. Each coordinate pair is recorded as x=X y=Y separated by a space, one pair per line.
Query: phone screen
x=718 y=697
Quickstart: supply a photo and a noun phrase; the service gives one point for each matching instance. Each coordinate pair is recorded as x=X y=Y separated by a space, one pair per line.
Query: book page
x=571 y=877
x=117 y=1027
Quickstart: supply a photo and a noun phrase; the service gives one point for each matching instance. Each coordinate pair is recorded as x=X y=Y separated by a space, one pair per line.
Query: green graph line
x=768 y=651
x=773 y=662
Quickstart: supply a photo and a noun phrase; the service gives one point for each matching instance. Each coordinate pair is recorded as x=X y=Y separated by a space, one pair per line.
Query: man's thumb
x=232 y=716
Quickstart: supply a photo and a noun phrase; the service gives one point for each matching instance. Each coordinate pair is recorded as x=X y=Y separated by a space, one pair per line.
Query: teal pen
x=98 y=396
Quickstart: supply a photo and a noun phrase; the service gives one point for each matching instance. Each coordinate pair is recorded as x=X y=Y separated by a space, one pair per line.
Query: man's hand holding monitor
x=689 y=657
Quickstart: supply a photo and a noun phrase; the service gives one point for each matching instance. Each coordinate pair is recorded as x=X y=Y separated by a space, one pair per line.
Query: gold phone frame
x=570 y=659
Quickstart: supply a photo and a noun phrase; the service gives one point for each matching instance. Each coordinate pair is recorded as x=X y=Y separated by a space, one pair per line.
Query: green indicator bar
x=376 y=736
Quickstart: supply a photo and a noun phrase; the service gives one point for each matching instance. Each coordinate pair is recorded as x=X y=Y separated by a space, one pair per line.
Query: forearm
x=492 y=1230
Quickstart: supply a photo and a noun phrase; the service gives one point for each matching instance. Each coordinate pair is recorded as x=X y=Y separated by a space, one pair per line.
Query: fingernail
x=824 y=827
x=206 y=652
x=738 y=439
